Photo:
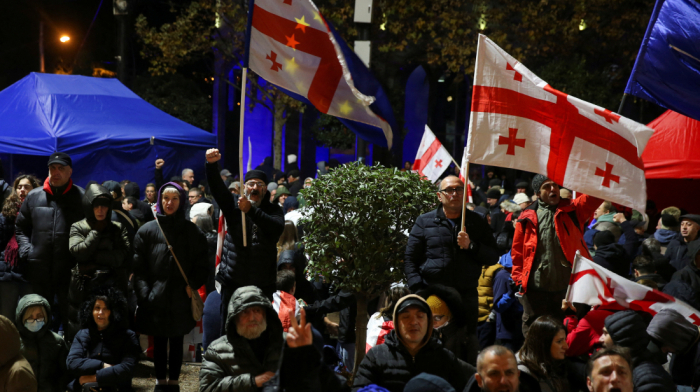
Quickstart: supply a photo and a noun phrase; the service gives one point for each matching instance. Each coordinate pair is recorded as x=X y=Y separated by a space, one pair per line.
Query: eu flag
x=667 y=69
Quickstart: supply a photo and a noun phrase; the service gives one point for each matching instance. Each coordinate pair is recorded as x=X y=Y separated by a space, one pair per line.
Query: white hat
x=199 y=209
x=521 y=198
x=291 y=158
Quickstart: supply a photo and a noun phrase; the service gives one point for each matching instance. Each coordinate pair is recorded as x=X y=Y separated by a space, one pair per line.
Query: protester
x=205 y=224
x=43 y=228
x=16 y=373
x=585 y=335
x=690 y=274
x=226 y=176
x=651 y=247
x=610 y=370
x=382 y=322
x=281 y=195
x=13 y=284
x=486 y=327
x=118 y=214
x=543 y=353
x=410 y=349
x=256 y=263
x=294 y=181
x=666 y=231
x=627 y=329
x=440 y=252
x=165 y=308
x=201 y=208
x=132 y=190
x=673 y=333
x=249 y=354
x=509 y=311
x=496 y=371
x=677 y=249
x=5 y=189
x=609 y=254
x=283 y=300
x=288 y=239
x=235 y=188
x=295 y=260
x=150 y=194
x=644 y=269
x=102 y=250
x=104 y=353
x=546 y=239
x=449 y=318
x=44 y=349
x=188 y=175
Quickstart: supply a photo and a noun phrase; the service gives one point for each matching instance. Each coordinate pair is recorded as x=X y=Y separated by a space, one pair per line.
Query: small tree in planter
x=356 y=229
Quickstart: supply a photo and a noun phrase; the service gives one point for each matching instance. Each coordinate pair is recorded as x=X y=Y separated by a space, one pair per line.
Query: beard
x=253 y=192
x=253 y=332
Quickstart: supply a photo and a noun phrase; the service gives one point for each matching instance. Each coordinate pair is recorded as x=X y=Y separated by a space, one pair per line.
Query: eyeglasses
x=452 y=191
x=39 y=320
x=253 y=184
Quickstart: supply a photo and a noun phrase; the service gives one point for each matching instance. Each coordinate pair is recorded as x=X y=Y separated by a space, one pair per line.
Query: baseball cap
x=61 y=158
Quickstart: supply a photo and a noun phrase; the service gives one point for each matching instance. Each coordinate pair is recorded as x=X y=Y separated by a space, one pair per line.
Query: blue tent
x=110 y=133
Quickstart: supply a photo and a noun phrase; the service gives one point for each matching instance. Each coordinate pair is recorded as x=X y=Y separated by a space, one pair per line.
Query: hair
x=185 y=171
x=30 y=309
x=644 y=264
x=124 y=182
x=471 y=206
x=171 y=189
x=288 y=239
x=10 y=207
x=622 y=352
x=393 y=295
x=115 y=302
x=151 y=185
x=131 y=200
x=285 y=281
x=649 y=283
x=651 y=246
x=197 y=191
x=536 y=351
x=496 y=350
x=675 y=211
x=293 y=173
x=607 y=206
x=205 y=223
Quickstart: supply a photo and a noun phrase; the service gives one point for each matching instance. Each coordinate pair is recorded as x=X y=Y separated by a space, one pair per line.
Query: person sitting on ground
x=543 y=353
x=283 y=299
x=382 y=322
x=16 y=374
x=248 y=356
x=610 y=369
x=644 y=269
x=44 y=349
x=672 y=333
x=449 y=318
x=104 y=353
x=410 y=349
x=496 y=371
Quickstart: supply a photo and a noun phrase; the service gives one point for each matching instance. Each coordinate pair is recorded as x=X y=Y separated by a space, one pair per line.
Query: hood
x=246 y=297
x=453 y=300
x=425 y=382
x=682 y=291
x=183 y=199
x=606 y=217
x=91 y=193
x=506 y=260
x=200 y=208
x=29 y=301
x=115 y=187
x=9 y=341
x=321 y=166
x=132 y=189
x=281 y=190
x=610 y=251
x=286 y=257
x=397 y=326
x=267 y=161
x=627 y=329
x=651 y=377
x=665 y=236
x=671 y=329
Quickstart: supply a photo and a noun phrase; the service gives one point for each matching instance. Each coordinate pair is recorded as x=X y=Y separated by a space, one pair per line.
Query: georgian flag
x=432 y=159
x=519 y=121
x=464 y=176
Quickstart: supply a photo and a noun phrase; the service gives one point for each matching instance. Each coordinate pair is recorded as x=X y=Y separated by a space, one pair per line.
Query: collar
x=47 y=187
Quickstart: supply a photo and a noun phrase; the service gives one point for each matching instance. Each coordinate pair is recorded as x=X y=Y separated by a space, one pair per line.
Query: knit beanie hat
x=494 y=181
x=438 y=306
x=603 y=238
x=425 y=382
x=537 y=182
x=493 y=194
x=627 y=329
x=256 y=174
x=671 y=329
x=271 y=186
x=521 y=198
x=649 y=376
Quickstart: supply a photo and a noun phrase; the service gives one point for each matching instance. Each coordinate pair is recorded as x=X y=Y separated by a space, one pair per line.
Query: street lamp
x=64 y=38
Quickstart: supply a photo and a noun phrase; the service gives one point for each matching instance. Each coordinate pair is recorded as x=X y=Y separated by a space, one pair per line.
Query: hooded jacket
x=669 y=328
x=15 y=372
x=164 y=309
x=391 y=366
x=45 y=350
x=255 y=264
x=627 y=329
x=230 y=363
x=452 y=335
x=613 y=257
x=508 y=309
x=132 y=189
x=43 y=231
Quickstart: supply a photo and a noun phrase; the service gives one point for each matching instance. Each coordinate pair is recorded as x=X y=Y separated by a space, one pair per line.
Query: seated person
x=248 y=356
x=15 y=372
x=104 y=353
x=543 y=353
x=44 y=349
x=408 y=350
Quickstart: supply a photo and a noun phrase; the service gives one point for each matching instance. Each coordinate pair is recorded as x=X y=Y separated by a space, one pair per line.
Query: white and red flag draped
x=293 y=47
x=520 y=121
x=594 y=285
x=464 y=176
x=220 y=236
x=432 y=159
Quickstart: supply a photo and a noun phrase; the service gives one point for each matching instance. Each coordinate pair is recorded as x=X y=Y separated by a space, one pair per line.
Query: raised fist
x=213 y=155
x=159 y=163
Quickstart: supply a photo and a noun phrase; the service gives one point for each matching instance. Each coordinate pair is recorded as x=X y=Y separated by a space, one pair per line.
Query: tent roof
x=43 y=113
x=672 y=150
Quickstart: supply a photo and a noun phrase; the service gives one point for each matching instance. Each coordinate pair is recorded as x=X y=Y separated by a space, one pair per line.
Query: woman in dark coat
x=104 y=353
x=164 y=304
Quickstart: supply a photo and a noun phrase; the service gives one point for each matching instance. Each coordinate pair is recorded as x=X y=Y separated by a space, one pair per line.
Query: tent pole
x=240 y=148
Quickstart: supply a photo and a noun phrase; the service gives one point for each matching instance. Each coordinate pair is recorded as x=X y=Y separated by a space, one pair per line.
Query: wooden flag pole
x=240 y=149
x=464 y=197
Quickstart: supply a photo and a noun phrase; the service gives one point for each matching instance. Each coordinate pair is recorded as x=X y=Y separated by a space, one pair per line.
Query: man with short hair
x=498 y=218
x=496 y=371
x=295 y=184
x=125 y=218
x=188 y=175
x=610 y=369
x=408 y=350
x=645 y=269
x=248 y=355
x=677 y=250
x=43 y=228
x=235 y=188
x=521 y=187
x=194 y=196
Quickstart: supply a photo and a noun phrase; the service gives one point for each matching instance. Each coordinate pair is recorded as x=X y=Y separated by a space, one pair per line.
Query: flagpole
x=464 y=196
x=240 y=149
x=455 y=162
x=573 y=269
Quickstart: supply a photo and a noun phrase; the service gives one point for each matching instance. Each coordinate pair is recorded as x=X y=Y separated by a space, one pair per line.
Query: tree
x=329 y=131
x=356 y=230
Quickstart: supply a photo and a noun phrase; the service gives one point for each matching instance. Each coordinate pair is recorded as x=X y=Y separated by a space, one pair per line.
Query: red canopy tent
x=672 y=162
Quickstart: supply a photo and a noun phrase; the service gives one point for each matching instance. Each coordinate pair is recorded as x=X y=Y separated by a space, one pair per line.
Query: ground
x=145 y=379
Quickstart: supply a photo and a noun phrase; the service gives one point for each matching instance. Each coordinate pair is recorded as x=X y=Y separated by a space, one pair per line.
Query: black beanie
x=493 y=194
x=537 y=182
x=627 y=329
x=603 y=238
x=256 y=174
x=495 y=182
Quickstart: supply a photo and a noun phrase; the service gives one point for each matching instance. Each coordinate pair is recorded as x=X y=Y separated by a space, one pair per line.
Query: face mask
x=35 y=326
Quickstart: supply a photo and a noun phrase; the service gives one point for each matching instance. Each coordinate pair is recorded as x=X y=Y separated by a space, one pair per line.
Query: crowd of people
x=84 y=272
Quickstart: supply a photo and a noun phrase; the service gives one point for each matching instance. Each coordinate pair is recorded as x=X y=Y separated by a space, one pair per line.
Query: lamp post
x=41 y=47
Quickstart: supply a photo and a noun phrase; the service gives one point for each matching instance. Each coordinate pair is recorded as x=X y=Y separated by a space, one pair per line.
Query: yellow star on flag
x=317 y=17
x=345 y=108
x=301 y=24
x=301 y=88
x=290 y=65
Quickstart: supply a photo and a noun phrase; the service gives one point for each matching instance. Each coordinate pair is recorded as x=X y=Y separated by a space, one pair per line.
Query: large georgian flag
x=594 y=285
x=520 y=121
x=464 y=176
x=432 y=158
x=293 y=47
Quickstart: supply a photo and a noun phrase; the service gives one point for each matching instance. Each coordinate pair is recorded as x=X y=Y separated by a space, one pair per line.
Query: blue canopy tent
x=109 y=132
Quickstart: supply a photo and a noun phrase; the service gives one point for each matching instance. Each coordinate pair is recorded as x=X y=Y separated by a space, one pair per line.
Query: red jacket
x=583 y=335
x=569 y=222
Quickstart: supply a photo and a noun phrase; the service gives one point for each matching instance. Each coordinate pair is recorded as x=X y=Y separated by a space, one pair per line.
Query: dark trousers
x=487 y=334
x=226 y=294
x=167 y=363
x=541 y=303
x=470 y=299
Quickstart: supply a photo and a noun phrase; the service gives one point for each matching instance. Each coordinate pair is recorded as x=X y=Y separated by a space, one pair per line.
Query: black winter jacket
x=255 y=264
x=7 y=273
x=164 y=308
x=433 y=256
x=42 y=228
x=677 y=252
x=390 y=365
x=91 y=349
x=690 y=274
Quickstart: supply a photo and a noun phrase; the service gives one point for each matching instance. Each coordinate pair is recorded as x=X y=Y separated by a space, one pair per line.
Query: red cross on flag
x=520 y=121
x=432 y=158
x=594 y=285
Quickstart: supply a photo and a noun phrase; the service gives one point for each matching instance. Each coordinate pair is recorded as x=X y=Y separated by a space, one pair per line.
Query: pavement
x=145 y=377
